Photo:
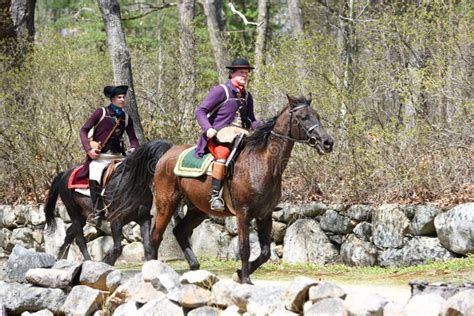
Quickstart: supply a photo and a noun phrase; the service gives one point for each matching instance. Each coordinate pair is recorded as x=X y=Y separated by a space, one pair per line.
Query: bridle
x=310 y=140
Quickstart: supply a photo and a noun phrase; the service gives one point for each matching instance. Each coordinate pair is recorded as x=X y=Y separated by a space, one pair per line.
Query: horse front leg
x=243 y=224
x=264 y=226
x=145 y=225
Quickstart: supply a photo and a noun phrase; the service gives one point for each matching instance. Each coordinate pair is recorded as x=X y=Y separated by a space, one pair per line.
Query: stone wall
x=38 y=283
x=358 y=235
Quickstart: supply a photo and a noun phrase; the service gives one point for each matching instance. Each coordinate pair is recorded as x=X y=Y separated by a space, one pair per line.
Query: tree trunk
x=121 y=61
x=160 y=54
x=261 y=39
x=17 y=30
x=214 y=27
x=346 y=43
x=187 y=50
x=7 y=34
x=296 y=17
x=23 y=15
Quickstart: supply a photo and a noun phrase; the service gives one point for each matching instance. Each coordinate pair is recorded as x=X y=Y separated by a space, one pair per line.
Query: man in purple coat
x=228 y=104
x=108 y=124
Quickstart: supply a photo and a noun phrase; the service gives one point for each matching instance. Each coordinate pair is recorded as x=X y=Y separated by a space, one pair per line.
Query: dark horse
x=79 y=206
x=255 y=184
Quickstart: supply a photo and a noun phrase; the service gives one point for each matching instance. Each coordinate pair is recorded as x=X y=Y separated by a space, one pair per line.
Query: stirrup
x=217 y=203
x=94 y=219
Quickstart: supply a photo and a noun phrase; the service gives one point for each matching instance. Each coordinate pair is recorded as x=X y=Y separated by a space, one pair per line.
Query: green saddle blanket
x=189 y=166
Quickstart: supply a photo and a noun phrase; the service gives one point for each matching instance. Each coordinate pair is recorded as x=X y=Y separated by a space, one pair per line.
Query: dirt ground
x=393 y=293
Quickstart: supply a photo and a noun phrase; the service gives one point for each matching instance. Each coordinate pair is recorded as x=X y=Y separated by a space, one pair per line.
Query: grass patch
x=456 y=271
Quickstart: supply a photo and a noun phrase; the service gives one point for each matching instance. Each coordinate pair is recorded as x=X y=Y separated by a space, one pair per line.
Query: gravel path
x=393 y=293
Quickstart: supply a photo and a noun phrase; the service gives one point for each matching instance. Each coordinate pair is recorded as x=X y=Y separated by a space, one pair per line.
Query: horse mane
x=258 y=139
x=133 y=177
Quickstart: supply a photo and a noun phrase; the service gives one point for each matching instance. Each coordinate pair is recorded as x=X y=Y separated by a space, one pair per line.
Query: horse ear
x=291 y=100
x=309 y=98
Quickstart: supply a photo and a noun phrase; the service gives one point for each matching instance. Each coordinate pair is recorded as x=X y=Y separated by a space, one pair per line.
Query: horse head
x=305 y=125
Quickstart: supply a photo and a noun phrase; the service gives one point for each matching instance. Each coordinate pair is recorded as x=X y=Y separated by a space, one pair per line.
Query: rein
x=310 y=140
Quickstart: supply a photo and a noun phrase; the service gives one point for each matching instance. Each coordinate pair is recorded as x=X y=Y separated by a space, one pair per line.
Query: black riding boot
x=217 y=203
x=95 y=217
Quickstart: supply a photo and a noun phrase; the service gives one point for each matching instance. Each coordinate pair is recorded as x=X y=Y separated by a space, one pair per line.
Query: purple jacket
x=102 y=130
x=223 y=116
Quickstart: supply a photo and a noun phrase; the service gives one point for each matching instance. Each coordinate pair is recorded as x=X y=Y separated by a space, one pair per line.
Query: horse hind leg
x=183 y=232
x=70 y=234
x=82 y=242
x=164 y=213
x=112 y=256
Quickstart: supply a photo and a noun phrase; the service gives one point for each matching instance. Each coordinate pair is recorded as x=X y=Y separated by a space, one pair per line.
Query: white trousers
x=98 y=165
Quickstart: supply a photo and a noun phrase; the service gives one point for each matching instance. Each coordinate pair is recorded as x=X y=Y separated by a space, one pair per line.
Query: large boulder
x=14 y=216
x=426 y=304
x=389 y=225
x=359 y=212
x=455 y=228
x=234 y=247
x=297 y=293
x=133 y=252
x=356 y=252
x=94 y=275
x=363 y=231
x=161 y=275
x=19 y=298
x=169 y=247
x=22 y=236
x=82 y=300
x=258 y=300
x=210 y=240
x=305 y=242
x=460 y=304
x=365 y=304
x=21 y=260
x=54 y=240
x=417 y=250
x=334 y=222
x=291 y=212
x=422 y=223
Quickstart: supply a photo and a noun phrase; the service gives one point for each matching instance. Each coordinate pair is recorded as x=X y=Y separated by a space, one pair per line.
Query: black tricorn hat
x=112 y=91
x=240 y=63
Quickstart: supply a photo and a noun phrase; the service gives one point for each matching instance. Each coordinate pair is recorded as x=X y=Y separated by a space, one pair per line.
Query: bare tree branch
x=141 y=6
x=234 y=11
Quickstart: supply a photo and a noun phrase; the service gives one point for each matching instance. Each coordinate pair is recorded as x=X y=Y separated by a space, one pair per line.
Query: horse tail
x=50 y=204
x=134 y=176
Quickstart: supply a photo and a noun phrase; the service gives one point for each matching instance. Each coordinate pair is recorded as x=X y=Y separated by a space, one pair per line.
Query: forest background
x=391 y=80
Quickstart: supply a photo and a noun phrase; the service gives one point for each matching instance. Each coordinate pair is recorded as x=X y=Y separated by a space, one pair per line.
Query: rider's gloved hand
x=210 y=133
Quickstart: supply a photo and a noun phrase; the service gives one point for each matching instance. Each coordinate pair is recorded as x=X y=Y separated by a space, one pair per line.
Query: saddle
x=107 y=173
x=188 y=166
x=83 y=184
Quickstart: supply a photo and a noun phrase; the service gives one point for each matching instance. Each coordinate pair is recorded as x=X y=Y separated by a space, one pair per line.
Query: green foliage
x=454 y=270
x=45 y=105
x=400 y=112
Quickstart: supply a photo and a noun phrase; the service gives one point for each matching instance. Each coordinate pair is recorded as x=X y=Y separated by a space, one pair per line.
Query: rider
x=226 y=104
x=108 y=124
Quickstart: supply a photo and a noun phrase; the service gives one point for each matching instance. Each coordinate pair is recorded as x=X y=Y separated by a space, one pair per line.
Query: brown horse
x=254 y=185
